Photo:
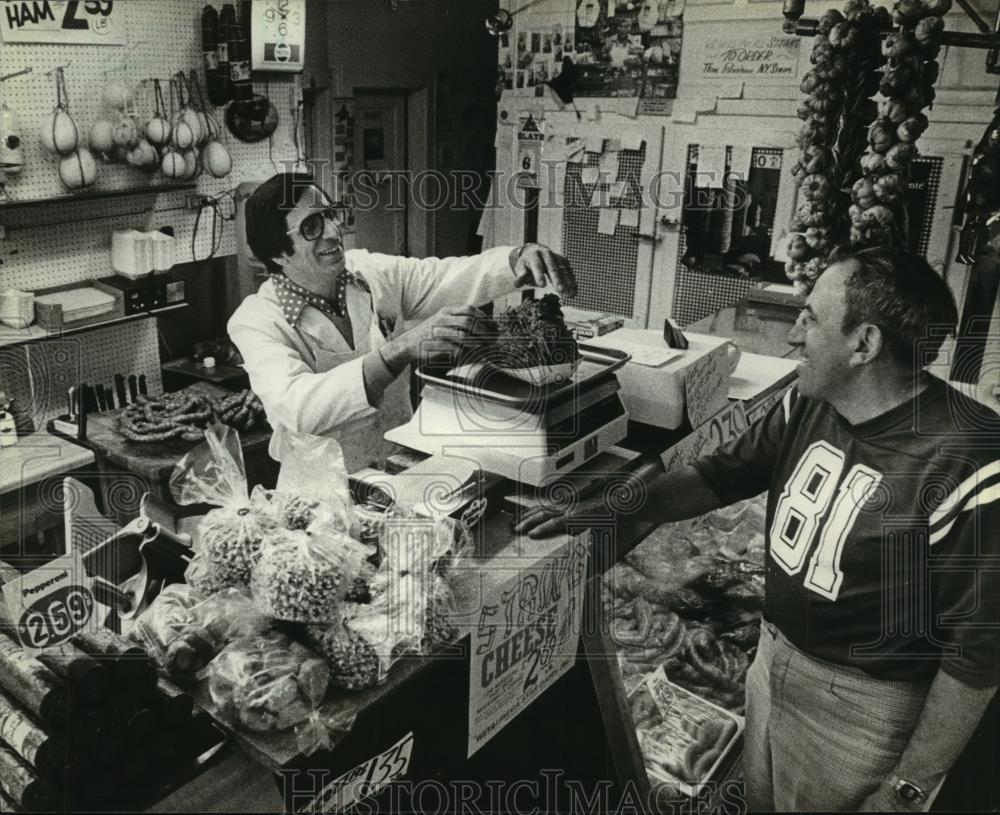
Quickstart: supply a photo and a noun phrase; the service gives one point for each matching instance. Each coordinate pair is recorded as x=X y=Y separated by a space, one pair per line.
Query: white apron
x=363 y=438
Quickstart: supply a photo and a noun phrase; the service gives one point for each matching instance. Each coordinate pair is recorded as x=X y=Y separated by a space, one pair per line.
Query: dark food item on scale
x=533 y=334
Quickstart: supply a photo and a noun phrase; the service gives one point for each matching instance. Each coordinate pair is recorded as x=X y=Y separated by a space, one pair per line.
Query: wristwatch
x=911 y=794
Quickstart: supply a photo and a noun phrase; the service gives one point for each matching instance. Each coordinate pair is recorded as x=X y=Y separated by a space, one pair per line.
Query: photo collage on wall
x=628 y=48
x=621 y=48
x=531 y=56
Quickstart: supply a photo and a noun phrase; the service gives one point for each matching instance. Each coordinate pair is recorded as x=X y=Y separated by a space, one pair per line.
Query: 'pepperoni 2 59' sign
x=52 y=604
x=85 y=22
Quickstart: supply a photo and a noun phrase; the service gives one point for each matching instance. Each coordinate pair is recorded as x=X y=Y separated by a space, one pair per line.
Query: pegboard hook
x=122 y=64
x=22 y=72
x=59 y=68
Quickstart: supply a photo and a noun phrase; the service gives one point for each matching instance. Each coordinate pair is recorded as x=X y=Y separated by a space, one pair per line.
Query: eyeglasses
x=311 y=227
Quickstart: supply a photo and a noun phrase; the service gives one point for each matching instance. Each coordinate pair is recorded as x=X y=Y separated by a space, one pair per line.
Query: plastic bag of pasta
x=306 y=575
x=228 y=539
x=268 y=682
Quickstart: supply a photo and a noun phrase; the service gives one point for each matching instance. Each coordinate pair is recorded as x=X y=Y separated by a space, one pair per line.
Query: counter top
x=757 y=330
x=38 y=456
x=155 y=460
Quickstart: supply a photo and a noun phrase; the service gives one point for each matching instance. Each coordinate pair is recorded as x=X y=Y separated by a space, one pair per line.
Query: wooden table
x=129 y=468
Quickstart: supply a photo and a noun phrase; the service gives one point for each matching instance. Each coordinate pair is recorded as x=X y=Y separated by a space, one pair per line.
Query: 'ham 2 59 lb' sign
x=84 y=22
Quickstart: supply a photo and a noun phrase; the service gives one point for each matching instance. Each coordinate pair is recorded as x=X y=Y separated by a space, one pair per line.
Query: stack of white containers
x=135 y=254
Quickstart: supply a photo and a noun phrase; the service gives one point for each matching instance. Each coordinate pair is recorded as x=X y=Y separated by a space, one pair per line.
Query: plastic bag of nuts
x=228 y=539
x=267 y=682
x=304 y=576
x=353 y=660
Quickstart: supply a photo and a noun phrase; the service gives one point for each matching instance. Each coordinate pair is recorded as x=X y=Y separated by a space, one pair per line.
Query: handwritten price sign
x=52 y=604
x=84 y=22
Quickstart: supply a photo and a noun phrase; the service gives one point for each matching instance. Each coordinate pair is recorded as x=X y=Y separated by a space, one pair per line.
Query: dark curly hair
x=901 y=293
x=266 y=210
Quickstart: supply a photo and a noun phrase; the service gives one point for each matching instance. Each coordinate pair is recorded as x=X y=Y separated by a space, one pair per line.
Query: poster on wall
x=526 y=637
x=80 y=22
x=764 y=59
x=728 y=219
x=628 y=48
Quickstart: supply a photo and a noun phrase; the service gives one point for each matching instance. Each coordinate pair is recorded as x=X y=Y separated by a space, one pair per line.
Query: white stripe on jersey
x=786 y=403
x=962 y=492
x=986 y=496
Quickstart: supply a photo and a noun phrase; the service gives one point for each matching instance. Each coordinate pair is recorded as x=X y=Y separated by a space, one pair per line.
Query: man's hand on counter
x=536 y=265
x=542 y=521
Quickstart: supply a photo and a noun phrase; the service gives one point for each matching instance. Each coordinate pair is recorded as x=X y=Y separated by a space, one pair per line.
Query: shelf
x=13 y=336
x=94 y=195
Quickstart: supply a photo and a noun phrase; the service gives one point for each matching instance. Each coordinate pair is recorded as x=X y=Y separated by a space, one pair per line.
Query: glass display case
x=680 y=619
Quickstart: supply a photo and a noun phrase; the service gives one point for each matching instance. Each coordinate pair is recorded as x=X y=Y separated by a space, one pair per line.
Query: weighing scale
x=523 y=431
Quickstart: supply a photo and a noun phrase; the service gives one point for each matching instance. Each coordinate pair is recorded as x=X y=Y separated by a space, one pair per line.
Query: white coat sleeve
x=415 y=288
x=293 y=396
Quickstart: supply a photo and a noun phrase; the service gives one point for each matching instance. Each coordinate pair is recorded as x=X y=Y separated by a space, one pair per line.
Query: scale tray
x=485 y=381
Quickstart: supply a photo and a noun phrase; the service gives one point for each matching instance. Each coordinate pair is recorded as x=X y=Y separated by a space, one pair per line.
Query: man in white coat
x=323 y=341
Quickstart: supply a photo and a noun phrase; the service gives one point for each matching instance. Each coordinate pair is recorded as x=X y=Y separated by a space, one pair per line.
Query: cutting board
x=155 y=461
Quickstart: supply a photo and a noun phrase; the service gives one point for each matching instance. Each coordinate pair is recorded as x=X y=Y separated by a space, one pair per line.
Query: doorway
x=382 y=161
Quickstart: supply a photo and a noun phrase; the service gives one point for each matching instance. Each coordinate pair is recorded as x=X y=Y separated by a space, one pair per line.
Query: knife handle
x=85 y=406
x=120 y=389
x=143 y=387
x=133 y=387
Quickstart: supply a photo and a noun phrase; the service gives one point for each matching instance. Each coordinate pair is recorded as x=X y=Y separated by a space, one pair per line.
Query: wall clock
x=278 y=35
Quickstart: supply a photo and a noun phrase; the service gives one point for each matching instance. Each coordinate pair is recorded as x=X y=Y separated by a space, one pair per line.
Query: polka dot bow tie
x=293 y=298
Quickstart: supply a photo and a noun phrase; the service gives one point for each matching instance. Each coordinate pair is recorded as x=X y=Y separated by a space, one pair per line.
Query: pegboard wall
x=70 y=241
x=605 y=265
x=37 y=375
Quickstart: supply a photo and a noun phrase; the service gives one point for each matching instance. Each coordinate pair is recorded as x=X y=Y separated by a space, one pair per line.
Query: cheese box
x=658 y=394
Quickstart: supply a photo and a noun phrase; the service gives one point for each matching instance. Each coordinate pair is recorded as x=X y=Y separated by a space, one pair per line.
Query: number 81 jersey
x=883 y=550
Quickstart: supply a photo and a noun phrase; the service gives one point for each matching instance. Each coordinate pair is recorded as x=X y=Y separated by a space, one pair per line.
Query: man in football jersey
x=880 y=644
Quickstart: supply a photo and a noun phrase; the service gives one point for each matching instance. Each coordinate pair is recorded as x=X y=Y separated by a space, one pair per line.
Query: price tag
x=363 y=781
x=84 y=22
x=661 y=690
x=52 y=604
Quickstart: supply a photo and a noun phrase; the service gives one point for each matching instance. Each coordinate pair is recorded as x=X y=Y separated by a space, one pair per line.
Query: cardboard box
x=587 y=324
x=693 y=384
